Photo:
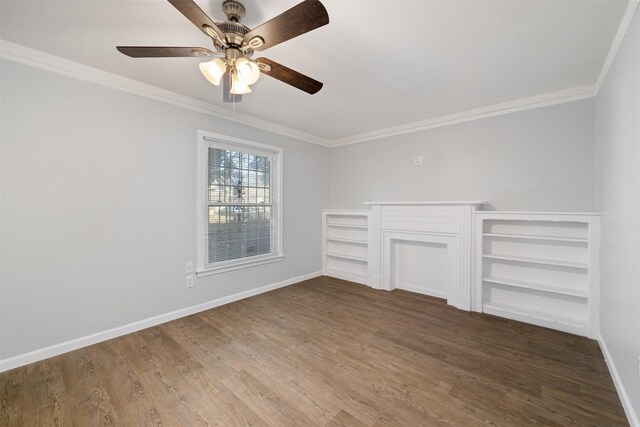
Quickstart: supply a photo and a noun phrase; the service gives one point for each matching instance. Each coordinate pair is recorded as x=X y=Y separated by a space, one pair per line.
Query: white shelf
x=539 y=268
x=429 y=203
x=347 y=226
x=527 y=260
x=349 y=257
x=531 y=237
x=520 y=214
x=539 y=287
x=345 y=244
x=566 y=324
x=343 y=240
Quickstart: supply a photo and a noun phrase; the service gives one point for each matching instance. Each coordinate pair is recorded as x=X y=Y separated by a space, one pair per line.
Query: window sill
x=238 y=266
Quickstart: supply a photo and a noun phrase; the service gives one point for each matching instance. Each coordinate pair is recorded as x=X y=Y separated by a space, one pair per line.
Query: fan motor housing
x=234 y=31
x=232 y=28
x=234 y=10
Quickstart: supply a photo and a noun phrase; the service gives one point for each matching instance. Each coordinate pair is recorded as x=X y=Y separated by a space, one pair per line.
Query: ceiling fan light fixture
x=238 y=87
x=213 y=70
x=247 y=70
x=234 y=44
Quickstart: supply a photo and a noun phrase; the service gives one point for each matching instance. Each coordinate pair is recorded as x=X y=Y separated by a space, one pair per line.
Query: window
x=239 y=203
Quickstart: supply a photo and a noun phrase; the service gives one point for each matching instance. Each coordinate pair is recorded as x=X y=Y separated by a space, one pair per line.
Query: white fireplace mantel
x=429 y=203
x=444 y=223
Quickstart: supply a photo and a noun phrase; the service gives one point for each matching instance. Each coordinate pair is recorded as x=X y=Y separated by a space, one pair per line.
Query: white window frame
x=205 y=139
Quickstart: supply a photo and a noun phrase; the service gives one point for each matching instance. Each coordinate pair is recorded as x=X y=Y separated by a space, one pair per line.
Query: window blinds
x=241 y=202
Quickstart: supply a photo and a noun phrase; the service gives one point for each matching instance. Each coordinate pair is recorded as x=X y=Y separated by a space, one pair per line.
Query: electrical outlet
x=418 y=160
x=188 y=267
x=189 y=282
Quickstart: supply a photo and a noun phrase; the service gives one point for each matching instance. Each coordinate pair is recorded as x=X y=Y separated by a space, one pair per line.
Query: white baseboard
x=56 y=349
x=346 y=276
x=423 y=291
x=632 y=417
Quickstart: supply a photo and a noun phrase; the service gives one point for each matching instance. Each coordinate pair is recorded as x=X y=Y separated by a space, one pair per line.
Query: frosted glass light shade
x=247 y=70
x=213 y=70
x=238 y=87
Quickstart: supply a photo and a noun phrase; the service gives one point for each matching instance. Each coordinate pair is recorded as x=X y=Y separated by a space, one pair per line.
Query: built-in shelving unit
x=538 y=268
x=345 y=244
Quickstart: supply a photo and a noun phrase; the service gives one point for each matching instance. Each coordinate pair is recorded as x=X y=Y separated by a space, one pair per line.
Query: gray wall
x=99 y=209
x=541 y=159
x=618 y=198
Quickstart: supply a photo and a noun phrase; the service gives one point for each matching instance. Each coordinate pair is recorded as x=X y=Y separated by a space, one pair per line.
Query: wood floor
x=322 y=352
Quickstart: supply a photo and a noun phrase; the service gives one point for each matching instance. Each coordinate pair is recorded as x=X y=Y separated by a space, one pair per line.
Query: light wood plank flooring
x=322 y=352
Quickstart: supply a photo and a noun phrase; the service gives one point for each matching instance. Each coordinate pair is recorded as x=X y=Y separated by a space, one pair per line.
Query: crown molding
x=522 y=104
x=544 y=100
x=617 y=41
x=48 y=62
x=34 y=58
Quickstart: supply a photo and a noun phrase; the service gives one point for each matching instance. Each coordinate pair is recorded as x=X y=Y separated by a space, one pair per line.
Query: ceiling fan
x=235 y=43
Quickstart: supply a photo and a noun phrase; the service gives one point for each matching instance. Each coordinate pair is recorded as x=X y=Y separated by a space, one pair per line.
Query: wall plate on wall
x=189 y=281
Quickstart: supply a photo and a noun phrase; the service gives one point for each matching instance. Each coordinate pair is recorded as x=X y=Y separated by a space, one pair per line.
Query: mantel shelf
x=429 y=203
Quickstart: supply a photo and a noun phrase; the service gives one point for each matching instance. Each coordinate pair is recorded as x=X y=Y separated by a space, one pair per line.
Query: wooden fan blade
x=200 y=19
x=289 y=76
x=164 y=51
x=300 y=19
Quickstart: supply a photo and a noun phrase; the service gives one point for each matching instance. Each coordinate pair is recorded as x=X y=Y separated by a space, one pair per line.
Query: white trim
x=204 y=140
x=426 y=203
x=246 y=263
x=617 y=41
x=451 y=243
x=38 y=59
x=355 y=212
x=535 y=213
x=45 y=61
x=56 y=349
x=423 y=291
x=345 y=276
x=203 y=135
x=522 y=104
x=622 y=393
x=42 y=60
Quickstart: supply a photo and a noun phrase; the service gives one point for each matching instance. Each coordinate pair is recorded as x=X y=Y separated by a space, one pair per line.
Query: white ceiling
x=383 y=63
